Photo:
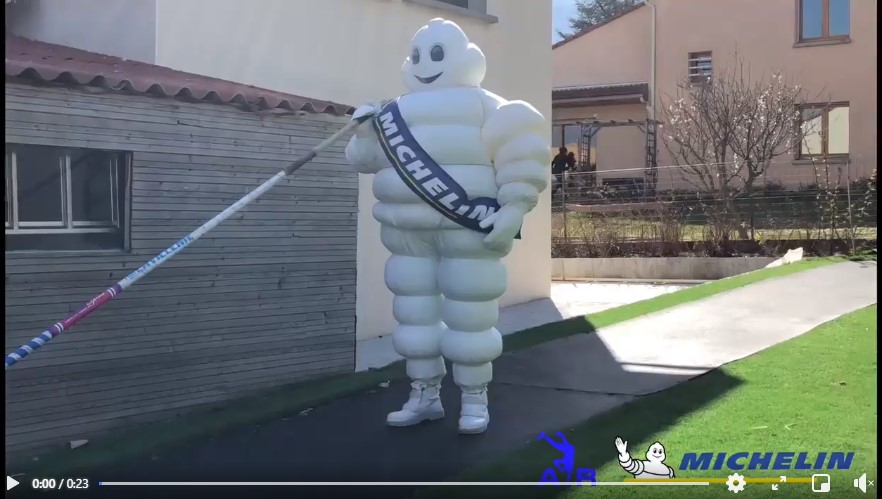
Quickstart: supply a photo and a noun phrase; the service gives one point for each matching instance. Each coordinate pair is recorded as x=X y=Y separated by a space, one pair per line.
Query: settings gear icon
x=735 y=483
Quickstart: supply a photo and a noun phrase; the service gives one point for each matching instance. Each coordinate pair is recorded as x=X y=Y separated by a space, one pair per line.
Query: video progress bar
x=392 y=484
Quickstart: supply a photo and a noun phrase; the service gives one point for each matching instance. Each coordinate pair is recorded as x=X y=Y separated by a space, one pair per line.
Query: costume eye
x=437 y=53
x=415 y=56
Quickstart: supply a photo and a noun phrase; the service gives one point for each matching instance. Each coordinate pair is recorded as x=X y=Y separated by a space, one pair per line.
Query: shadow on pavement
x=640 y=421
x=550 y=387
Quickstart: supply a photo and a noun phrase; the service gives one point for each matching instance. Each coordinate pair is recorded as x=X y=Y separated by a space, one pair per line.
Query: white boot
x=474 y=416
x=424 y=404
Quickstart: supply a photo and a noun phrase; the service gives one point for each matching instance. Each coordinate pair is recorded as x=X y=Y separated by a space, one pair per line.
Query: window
x=64 y=199
x=824 y=131
x=823 y=19
x=473 y=8
x=700 y=67
x=459 y=3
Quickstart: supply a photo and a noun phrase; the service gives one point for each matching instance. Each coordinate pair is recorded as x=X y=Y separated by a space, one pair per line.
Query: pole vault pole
x=115 y=290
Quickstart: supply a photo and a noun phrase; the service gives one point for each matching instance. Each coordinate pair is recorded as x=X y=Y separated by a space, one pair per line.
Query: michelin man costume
x=653 y=467
x=457 y=169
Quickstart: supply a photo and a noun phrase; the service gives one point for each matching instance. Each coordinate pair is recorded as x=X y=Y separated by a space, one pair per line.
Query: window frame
x=120 y=197
x=825 y=26
x=476 y=8
x=699 y=78
x=825 y=131
x=469 y=5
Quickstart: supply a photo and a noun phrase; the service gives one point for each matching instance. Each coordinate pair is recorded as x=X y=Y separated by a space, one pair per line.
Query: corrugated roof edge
x=592 y=28
x=43 y=62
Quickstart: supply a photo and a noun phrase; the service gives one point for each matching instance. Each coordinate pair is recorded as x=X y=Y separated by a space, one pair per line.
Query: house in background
x=347 y=51
x=618 y=71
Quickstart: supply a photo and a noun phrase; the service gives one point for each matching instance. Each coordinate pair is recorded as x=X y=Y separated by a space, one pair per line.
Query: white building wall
x=346 y=51
x=124 y=28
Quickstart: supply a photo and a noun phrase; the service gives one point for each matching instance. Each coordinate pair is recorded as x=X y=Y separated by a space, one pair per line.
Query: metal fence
x=715 y=210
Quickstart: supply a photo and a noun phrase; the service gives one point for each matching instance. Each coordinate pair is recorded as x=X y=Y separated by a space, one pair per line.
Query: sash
x=425 y=177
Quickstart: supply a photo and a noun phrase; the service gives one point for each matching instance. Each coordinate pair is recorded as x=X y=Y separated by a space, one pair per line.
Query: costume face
x=441 y=56
x=656 y=453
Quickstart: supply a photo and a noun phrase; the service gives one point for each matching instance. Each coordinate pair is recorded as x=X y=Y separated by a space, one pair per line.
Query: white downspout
x=652 y=86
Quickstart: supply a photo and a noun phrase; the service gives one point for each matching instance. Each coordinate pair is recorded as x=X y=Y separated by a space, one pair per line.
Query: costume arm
x=515 y=135
x=363 y=150
x=631 y=466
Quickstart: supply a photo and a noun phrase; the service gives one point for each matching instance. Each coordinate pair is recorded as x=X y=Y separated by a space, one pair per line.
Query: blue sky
x=561 y=11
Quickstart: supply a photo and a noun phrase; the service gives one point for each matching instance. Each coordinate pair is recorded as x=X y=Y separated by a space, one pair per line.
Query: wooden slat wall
x=266 y=298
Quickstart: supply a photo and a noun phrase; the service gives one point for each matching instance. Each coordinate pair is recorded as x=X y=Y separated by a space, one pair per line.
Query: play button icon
x=10 y=482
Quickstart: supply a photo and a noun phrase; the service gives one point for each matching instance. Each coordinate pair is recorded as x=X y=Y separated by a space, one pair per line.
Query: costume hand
x=364 y=113
x=367 y=109
x=621 y=446
x=506 y=223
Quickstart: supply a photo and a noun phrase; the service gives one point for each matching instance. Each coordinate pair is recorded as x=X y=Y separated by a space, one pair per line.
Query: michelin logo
x=653 y=468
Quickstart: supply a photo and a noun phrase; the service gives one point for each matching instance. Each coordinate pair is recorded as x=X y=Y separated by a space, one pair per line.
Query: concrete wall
x=676 y=268
x=123 y=28
x=347 y=51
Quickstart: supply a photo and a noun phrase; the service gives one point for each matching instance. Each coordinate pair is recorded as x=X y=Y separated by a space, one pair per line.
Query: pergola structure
x=594 y=96
x=588 y=129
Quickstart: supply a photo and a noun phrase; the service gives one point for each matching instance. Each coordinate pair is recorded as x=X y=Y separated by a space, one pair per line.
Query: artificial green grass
x=277 y=403
x=814 y=393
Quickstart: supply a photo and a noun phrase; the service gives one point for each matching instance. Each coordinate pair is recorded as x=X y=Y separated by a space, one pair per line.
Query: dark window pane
x=459 y=3
x=38 y=173
x=91 y=180
x=556 y=137
x=812 y=19
x=839 y=17
x=571 y=138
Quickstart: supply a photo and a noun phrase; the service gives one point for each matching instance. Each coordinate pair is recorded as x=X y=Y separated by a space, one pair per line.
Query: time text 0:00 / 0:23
x=60 y=484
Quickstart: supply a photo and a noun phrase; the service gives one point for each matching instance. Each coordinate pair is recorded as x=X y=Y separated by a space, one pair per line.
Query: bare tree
x=726 y=131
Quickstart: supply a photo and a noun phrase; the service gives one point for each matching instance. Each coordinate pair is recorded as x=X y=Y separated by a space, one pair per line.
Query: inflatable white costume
x=457 y=168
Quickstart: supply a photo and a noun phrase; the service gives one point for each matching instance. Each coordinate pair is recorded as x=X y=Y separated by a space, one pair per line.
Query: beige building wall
x=351 y=51
x=618 y=52
x=764 y=35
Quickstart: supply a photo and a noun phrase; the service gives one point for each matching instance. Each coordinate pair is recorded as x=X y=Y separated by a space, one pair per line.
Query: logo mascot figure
x=457 y=169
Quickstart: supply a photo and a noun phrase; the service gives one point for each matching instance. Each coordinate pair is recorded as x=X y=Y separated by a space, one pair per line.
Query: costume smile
x=428 y=80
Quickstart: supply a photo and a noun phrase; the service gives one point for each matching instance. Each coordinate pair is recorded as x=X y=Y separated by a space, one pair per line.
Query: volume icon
x=861 y=483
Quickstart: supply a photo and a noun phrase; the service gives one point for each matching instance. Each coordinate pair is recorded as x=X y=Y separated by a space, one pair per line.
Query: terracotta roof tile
x=46 y=62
